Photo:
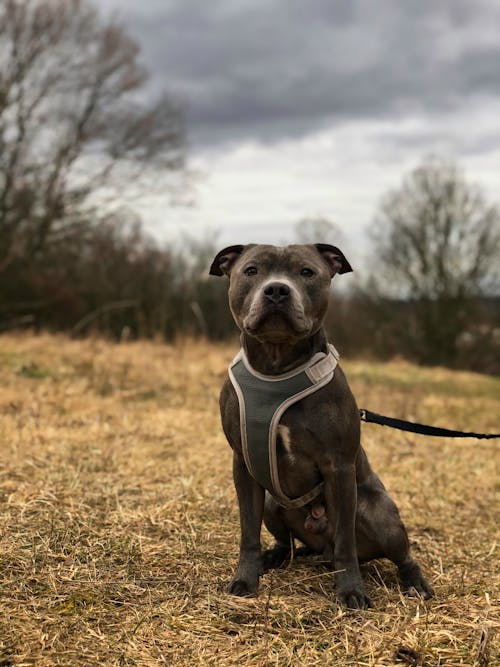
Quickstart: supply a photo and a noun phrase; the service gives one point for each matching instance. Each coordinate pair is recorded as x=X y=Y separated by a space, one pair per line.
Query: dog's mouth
x=276 y=323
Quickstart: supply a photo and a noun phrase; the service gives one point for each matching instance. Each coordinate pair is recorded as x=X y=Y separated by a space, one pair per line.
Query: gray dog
x=294 y=427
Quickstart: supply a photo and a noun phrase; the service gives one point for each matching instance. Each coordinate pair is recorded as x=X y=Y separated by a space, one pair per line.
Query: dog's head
x=279 y=294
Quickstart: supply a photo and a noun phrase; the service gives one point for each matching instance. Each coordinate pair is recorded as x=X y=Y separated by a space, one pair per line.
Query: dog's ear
x=225 y=259
x=334 y=258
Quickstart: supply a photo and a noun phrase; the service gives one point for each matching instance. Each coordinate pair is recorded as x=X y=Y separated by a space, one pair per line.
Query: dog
x=312 y=480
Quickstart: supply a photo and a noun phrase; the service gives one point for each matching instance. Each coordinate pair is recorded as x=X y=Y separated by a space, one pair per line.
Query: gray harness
x=263 y=399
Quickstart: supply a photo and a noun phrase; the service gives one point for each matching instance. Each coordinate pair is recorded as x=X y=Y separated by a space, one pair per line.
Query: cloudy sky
x=300 y=108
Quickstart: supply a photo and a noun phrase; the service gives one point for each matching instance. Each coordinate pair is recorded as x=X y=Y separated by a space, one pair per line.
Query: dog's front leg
x=251 y=504
x=340 y=497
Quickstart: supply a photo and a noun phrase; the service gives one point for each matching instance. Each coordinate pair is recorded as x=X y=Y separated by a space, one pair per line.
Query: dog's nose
x=277 y=292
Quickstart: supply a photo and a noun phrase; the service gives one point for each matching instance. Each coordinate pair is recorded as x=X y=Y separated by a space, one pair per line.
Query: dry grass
x=119 y=526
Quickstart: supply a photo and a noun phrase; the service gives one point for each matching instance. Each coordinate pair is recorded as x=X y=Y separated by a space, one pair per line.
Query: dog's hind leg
x=285 y=526
x=381 y=533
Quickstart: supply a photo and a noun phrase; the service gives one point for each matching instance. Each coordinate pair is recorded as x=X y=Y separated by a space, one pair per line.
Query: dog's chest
x=296 y=460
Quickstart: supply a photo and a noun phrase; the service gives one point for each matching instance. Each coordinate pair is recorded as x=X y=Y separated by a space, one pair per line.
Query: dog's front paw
x=354 y=598
x=241 y=588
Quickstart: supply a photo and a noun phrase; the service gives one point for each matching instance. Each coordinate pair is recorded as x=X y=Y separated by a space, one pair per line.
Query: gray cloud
x=271 y=70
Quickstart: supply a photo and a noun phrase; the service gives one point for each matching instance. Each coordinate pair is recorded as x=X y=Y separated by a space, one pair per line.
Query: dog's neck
x=274 y=359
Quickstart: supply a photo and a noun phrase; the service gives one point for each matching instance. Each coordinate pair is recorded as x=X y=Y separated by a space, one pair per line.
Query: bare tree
x=70 y=121
x=437 y=246
x=316 y=229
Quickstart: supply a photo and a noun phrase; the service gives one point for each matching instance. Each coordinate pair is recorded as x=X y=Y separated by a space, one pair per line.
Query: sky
x=298 y=109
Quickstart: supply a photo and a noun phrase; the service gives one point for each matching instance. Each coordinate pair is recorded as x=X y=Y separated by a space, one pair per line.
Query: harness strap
x=262 y=401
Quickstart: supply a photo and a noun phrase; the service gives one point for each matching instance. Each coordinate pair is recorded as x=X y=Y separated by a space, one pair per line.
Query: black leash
x=423 y=429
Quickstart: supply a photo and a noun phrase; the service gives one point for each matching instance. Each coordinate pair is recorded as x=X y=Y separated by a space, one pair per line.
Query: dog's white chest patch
x=286 y=439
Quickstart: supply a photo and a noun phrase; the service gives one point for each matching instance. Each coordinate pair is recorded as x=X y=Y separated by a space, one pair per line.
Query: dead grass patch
x=119 y=525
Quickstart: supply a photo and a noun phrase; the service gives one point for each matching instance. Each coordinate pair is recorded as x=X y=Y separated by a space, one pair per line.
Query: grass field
x=119 y=525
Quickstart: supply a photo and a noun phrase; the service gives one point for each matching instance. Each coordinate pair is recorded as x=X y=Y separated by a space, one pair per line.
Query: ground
x=119 y=525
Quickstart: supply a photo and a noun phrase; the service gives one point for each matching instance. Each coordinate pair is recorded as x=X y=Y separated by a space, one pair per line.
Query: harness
x=263 y=399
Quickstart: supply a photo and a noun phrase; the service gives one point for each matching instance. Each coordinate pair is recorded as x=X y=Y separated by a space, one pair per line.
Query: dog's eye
x=250 y=271
x=306 y=272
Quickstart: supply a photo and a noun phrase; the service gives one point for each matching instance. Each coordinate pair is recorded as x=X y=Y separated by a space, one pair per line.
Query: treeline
x=115 y=281
x=367 y=325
